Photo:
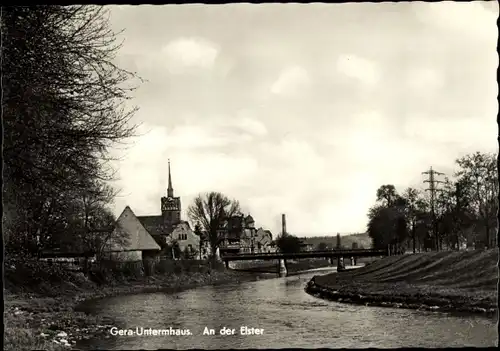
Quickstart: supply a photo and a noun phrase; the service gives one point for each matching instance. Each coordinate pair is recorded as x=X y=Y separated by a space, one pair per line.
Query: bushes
x=29 y=274
x=109 y=271
x=181 y=266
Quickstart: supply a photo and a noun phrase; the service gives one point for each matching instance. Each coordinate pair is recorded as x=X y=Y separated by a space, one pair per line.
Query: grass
x=460 y=281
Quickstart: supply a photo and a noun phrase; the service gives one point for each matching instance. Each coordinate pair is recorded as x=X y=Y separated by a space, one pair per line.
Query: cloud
x=292 y=81
x=424 y=80
x=469 y=18
x=249 y=126
x=193 y=137
x=460 y=134
x=359 y=68
x=143 y=167
x=186 y=53
x=382 y=106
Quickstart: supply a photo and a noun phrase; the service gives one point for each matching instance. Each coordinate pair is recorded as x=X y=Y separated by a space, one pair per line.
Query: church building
x=169 y=226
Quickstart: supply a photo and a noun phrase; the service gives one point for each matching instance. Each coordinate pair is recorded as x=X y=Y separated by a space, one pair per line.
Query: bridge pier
x=282 y=267
x=227 y=264
x=340 y=264
x=332 y=261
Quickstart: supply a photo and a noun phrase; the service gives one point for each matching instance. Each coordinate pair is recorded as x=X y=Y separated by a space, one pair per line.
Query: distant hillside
x=363 y=240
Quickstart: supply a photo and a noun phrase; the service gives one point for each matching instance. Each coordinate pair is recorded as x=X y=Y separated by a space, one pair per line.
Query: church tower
x=170 y=206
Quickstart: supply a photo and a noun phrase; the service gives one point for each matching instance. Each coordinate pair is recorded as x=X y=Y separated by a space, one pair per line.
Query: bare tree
x=211 y=211
x=413 y=207
x=63 y=107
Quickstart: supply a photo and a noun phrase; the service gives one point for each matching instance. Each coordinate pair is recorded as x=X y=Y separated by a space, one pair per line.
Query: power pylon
x=432 y=189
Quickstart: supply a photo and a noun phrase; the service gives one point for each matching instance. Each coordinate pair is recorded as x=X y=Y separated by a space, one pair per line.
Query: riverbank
x=34 y=320
x=439 y=281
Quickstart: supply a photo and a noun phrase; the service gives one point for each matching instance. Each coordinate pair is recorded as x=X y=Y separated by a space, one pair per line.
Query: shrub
x=168 y=266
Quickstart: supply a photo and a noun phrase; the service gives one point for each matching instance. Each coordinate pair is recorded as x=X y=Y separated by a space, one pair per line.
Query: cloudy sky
x=304 y=109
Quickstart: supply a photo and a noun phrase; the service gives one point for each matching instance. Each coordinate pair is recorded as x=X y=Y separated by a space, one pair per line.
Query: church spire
x=170 y=189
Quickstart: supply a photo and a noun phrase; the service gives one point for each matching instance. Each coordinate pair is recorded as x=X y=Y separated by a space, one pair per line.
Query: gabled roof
x=130 y=234
x=153 y=224
x=185 y=222
x=249 y=219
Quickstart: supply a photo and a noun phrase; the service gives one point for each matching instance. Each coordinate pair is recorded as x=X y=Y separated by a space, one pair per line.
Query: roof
x=130 y=234
x=153 y=224
x=186 y=222
x=249 y=219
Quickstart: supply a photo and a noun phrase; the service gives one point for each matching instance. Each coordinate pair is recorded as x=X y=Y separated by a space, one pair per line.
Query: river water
x=288 y=316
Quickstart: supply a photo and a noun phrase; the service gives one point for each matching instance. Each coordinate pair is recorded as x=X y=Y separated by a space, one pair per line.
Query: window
x=183 y=236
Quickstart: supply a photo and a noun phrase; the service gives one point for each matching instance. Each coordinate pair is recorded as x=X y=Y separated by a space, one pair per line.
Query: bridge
x=331 y=254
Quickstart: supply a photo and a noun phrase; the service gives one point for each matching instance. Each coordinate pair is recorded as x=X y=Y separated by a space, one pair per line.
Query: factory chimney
x=283 y=224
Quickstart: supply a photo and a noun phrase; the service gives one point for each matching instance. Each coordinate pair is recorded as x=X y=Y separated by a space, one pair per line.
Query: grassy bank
x=444 y=281
x=40 y=302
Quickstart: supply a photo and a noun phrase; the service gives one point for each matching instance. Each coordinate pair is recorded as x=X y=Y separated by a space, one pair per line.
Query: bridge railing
x=307 y=253
x=322 y=251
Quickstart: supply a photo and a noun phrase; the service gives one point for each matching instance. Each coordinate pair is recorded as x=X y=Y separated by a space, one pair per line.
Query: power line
x=433 y=189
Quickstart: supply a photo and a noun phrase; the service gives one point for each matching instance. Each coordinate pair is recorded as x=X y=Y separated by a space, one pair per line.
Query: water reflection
x=289 y=317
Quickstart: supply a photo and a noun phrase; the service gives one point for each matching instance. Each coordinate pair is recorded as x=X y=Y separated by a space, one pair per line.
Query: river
x=288 y=316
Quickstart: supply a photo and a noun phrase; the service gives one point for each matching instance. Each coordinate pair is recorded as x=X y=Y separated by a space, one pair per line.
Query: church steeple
x=170 y=189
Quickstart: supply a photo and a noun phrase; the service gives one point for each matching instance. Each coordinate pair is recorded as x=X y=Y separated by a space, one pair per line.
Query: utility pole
x=432 y=189
x=458 y=212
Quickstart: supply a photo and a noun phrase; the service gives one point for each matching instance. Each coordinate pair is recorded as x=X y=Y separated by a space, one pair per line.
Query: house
x=273 y=247
x=247 y=236
x=240 y=236
x=306 y=247
x=230 y=232
x=188 y=241
x=263 y=240
x=130 y=241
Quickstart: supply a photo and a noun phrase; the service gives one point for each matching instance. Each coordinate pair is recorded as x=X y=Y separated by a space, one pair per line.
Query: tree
x=387 y=193
x=288 y=243
x=412 y=198
x=62 y=109
x=386 y=220
x=381 y=226
x=478 y=173
x=454 y=211
x=189 y=253
x=211 y=211
x=199 y=233
x=173 y=250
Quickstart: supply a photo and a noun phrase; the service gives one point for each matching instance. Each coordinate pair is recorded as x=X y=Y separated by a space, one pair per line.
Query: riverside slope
x=40 y=320
x=464 y=281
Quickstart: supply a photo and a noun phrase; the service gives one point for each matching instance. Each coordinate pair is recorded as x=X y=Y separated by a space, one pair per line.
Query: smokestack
x=338 y=240
x=283 y=224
